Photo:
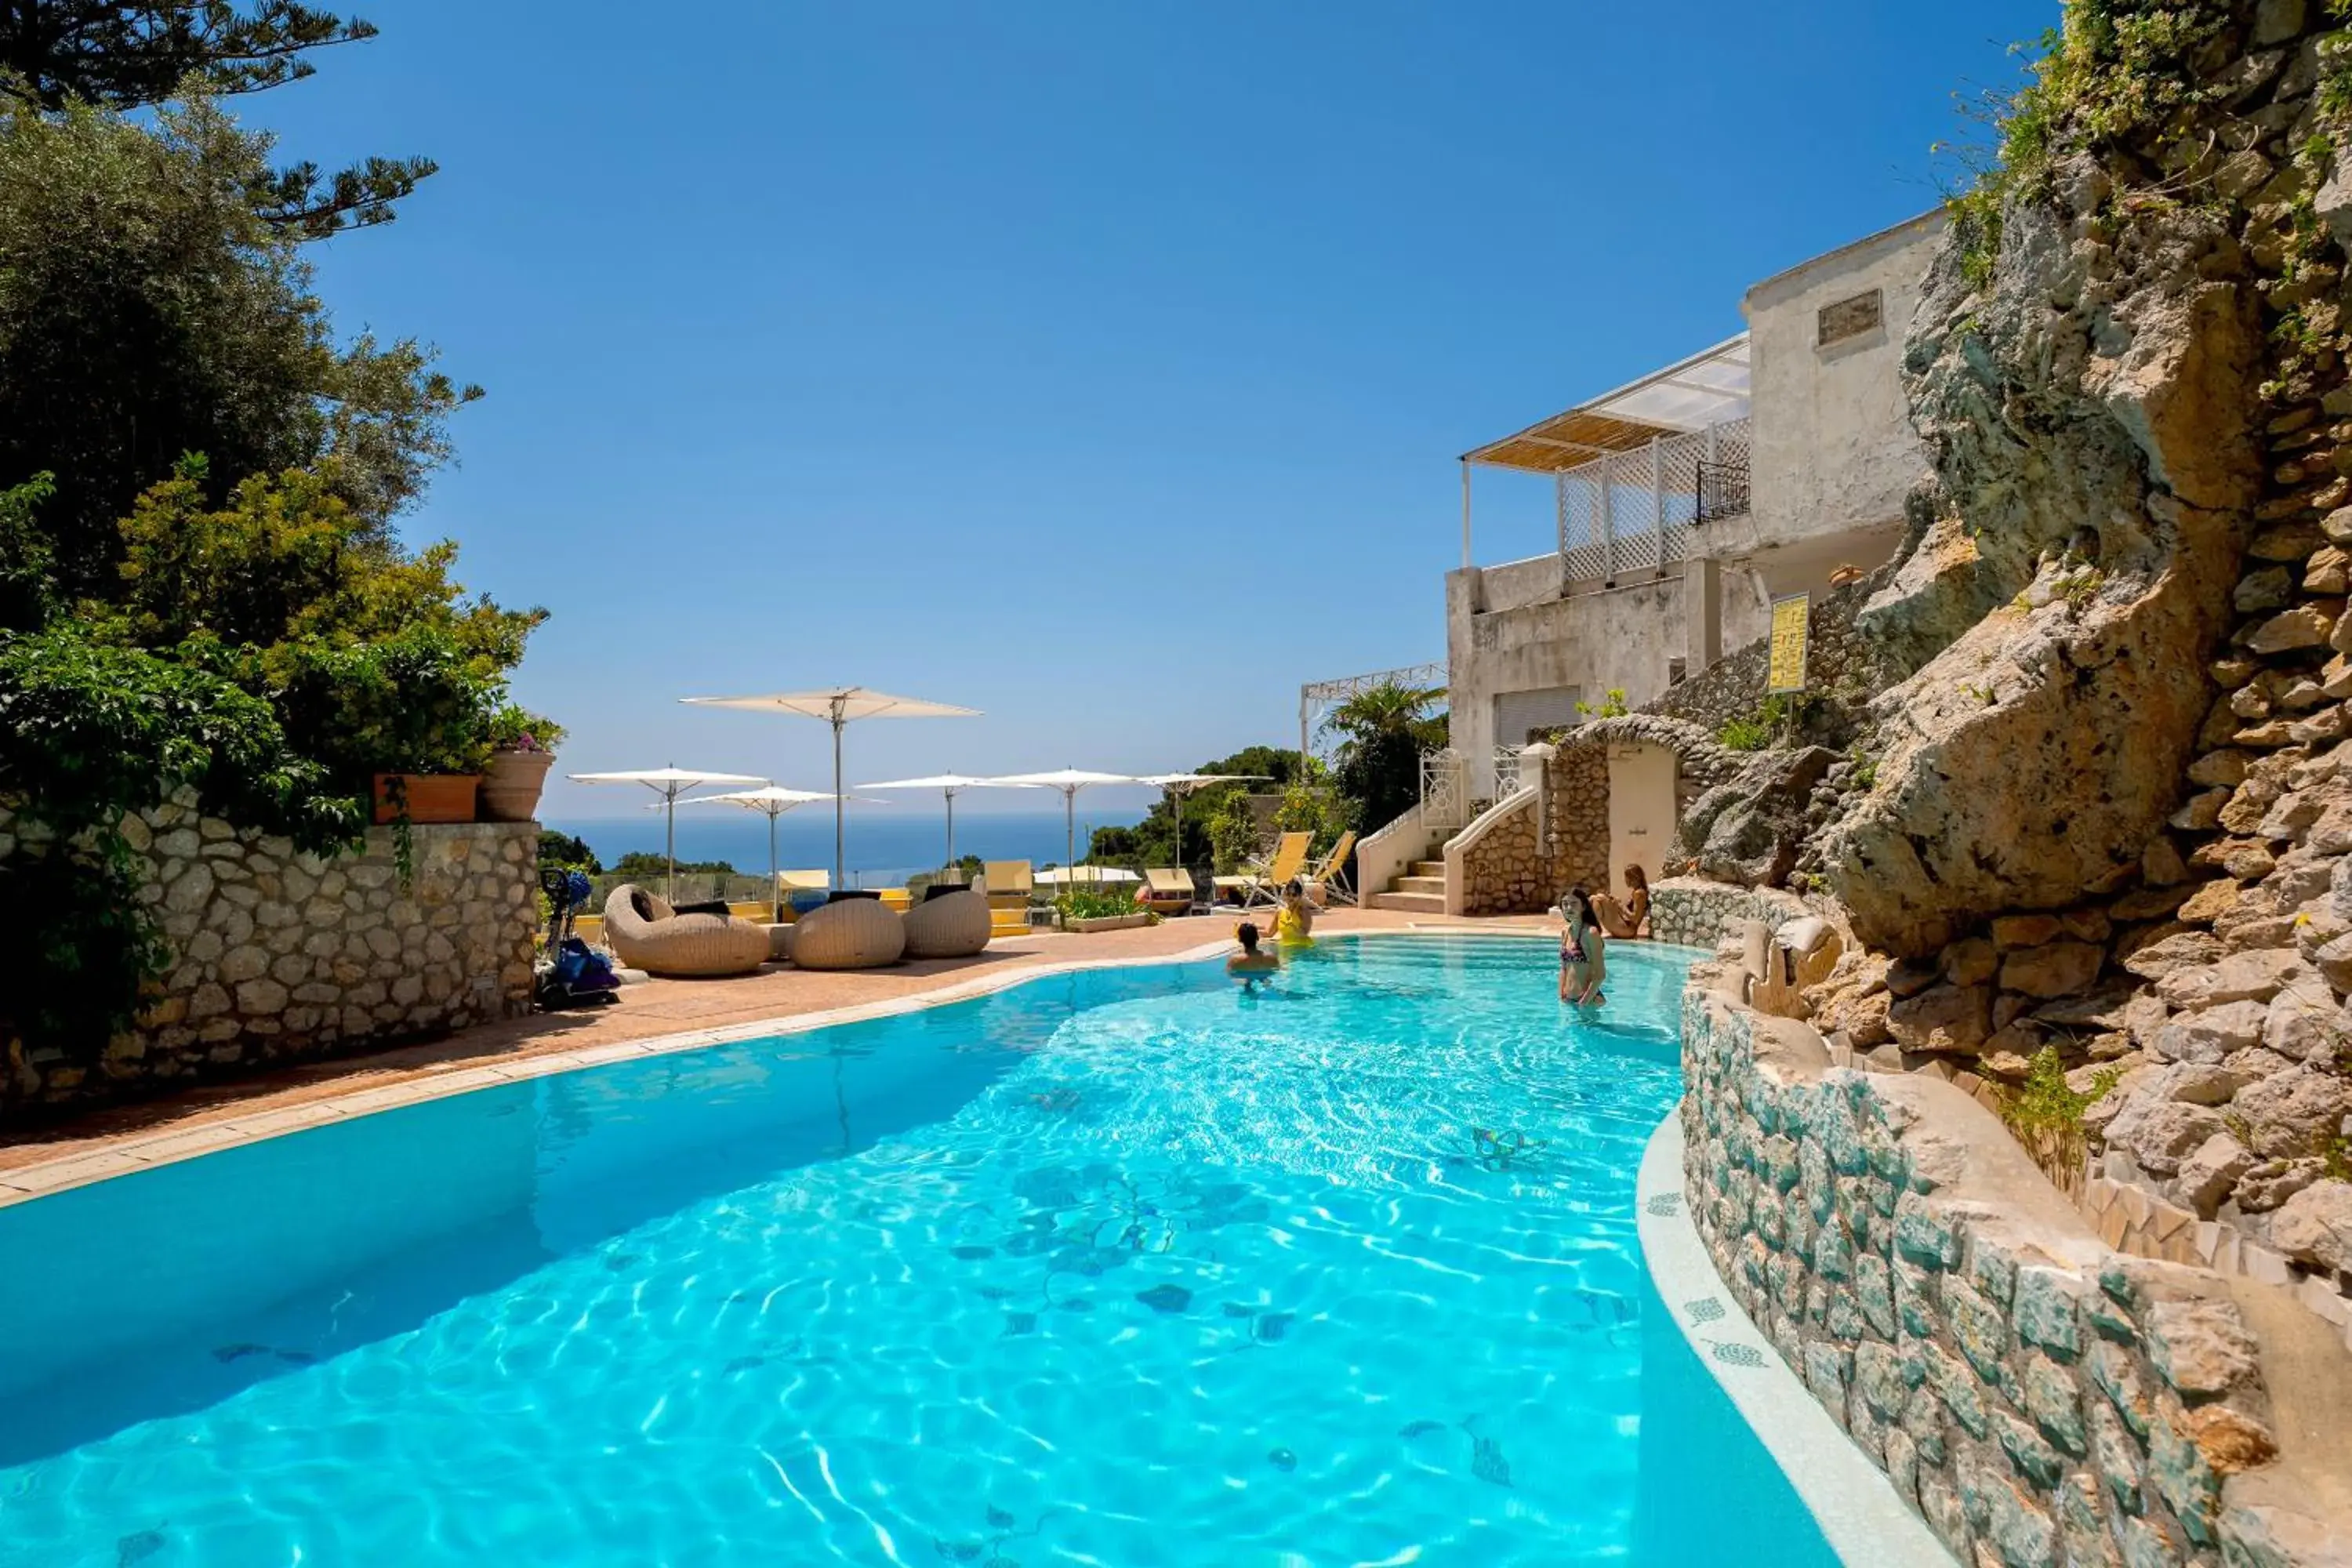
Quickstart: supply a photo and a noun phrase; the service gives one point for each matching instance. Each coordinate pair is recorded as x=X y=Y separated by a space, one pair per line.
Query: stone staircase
x=1421 y=890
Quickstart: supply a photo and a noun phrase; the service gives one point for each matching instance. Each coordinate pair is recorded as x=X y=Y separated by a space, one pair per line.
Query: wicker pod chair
x=849 y=933
x=646 y=934
x=953 y=925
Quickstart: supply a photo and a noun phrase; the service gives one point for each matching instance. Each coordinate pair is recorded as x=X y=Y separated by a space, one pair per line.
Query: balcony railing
x=1722 y=491
x=1639 y=510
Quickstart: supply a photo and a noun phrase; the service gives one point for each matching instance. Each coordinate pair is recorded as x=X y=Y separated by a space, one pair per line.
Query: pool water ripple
x=1342 y=1272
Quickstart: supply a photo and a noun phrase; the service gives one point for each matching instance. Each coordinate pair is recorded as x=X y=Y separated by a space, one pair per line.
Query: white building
x=1691 y=499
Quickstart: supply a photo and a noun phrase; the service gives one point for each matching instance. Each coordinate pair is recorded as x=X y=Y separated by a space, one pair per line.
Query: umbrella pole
x=776 y=885
x=1070 y=835
x=669 y=845
x=838 y=858
x=951 y=859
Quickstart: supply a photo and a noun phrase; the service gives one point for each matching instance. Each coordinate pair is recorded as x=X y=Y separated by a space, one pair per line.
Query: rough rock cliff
x=2105 y=830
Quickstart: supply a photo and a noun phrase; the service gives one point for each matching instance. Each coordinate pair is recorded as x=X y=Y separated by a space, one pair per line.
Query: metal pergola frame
x=1703 y=392
x=1317 y=696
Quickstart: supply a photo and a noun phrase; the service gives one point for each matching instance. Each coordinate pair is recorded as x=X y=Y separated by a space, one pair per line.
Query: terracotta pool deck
x=659 y=1016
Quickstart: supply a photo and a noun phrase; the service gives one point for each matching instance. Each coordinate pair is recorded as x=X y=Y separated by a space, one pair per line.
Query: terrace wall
x=281 y=957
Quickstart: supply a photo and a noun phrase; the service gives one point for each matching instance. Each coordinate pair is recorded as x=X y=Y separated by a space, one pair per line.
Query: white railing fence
x=1642 y=508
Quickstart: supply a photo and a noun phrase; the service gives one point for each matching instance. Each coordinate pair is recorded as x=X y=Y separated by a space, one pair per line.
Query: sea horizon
x=878 y=844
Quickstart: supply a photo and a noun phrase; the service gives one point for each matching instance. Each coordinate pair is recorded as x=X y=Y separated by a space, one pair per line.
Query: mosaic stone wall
x=2038 y=1398
x=280 y=957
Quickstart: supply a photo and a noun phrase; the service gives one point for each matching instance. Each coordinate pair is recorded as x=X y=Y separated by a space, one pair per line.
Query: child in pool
x=1582 y=961
x=1294 y=922
x=1249 y=963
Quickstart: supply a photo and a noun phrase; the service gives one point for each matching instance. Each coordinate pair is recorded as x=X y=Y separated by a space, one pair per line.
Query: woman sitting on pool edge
x=1583 y=964
x=1629 y=918
x=1249 y=963
x=1294 y=922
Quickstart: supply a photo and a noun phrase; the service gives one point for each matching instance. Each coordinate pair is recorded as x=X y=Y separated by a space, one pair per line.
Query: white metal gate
x=1445 y=791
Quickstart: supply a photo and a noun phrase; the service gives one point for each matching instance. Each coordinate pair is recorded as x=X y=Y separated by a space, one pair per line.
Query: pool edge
x=1866 y=1523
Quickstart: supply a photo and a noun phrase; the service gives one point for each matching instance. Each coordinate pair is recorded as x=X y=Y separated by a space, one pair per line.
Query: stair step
x=1417 y=903
x=1421 y=885
x=1429 y=868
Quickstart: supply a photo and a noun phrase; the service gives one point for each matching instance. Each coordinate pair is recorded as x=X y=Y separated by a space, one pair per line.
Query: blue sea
x=883 y=841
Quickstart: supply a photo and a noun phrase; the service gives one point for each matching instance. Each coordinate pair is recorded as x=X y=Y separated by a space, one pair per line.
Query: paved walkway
x=660 y=1015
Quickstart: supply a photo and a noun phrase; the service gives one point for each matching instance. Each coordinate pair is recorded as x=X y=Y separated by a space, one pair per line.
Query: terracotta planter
x=510 y=788
x=430 y=797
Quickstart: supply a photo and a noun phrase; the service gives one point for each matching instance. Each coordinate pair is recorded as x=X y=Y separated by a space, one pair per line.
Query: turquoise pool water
x=1122 y=1268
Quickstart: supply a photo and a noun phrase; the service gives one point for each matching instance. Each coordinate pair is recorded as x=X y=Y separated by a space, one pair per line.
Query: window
x=1850 y=318
x=1521 y=717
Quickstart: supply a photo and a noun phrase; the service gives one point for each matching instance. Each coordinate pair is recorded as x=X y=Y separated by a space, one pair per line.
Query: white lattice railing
x=1639 y=510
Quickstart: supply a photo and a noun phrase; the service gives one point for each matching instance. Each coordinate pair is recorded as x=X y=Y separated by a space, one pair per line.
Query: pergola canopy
x=1706 y=389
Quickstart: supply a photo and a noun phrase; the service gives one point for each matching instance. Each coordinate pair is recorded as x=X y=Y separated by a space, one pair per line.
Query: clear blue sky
x=1100 y=365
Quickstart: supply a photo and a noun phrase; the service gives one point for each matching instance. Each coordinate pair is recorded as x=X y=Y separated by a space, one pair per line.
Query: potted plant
x=522 y=749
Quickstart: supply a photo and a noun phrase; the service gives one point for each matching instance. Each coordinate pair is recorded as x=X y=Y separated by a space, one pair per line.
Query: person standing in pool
x=1583 y=964
x=1294 y=923
x=1249 y=963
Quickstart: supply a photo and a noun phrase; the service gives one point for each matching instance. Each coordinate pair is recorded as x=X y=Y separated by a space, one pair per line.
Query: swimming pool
x=1119 y=1267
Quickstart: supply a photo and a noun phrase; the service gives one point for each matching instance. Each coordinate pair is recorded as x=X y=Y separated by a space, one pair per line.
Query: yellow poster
x=1789 y=618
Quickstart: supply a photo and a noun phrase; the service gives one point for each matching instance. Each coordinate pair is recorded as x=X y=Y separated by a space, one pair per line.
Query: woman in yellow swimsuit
x=1294 y=923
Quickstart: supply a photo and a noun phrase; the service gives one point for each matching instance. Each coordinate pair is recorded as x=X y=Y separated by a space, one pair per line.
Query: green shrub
x=2045 y=1113
x=1751 y=735
x=1612 y=705
x=1096 y=903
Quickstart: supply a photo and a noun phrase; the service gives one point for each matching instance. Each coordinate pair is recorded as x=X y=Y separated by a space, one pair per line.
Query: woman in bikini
x=1581 y=964
x=1294 y=923
x=1628 y=918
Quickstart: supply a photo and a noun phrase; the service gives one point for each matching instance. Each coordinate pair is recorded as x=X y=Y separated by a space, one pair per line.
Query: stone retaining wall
x=1695 y=913
x=279 y=956
x=1499 y=862
x=1840 y=664
x=2038 y=1398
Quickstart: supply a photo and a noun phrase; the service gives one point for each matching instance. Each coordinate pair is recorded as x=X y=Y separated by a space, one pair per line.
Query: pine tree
x=118 y=54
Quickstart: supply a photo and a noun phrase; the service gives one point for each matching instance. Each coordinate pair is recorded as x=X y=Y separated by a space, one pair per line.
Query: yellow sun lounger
x=801 y=883
x=1009 y=885
x=1330 y=879
x=1167 y=890
x=1289 y=860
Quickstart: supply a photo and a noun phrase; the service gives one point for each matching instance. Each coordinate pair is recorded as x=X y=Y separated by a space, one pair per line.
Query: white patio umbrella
x=950 y=785
x=1179 y=785
x=669 y=784
x=1069 y=781
x=838 y=706
x=775 y=800
x=1060 y=875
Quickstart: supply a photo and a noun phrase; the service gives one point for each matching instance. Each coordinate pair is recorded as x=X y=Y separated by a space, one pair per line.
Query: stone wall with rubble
x=1840 y=668
x=1527 y=850
x=2038 y=1398
x=279 y=957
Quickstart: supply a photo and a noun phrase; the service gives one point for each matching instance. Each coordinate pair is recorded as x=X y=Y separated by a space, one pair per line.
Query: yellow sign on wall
x=1789 y=622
